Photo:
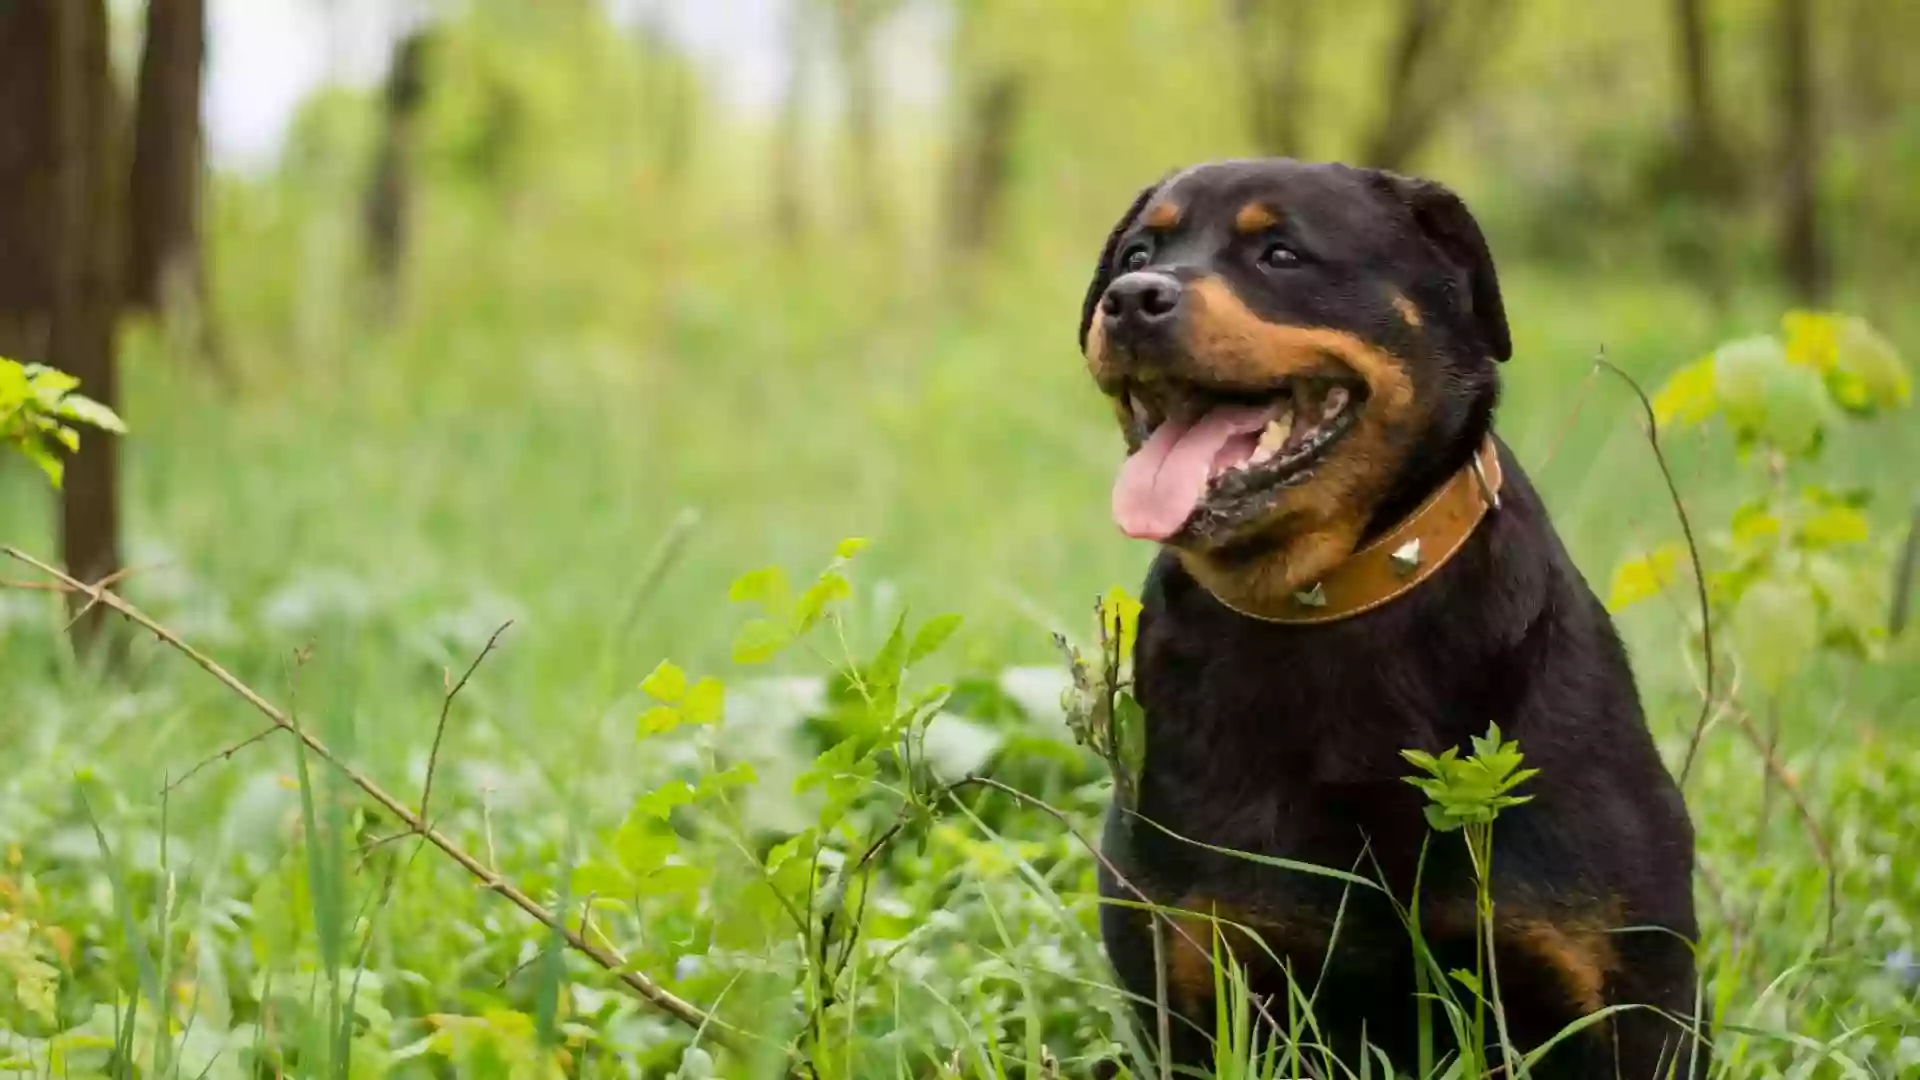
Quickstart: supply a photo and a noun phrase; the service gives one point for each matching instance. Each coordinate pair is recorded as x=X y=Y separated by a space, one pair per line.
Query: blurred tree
x=27 y=138
x=164 y=256
x=389 y=200
x=672 y=95
x=1803 y=255
x=788 y=181
x=1277 y=39
x=854 y=23
x=1706 y=165
x=990 y=89
x=87 y=276
x=1440 y=48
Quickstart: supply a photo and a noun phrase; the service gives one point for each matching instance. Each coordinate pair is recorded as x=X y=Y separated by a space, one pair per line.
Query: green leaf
x=931 y=636
x=641 y=848
x=766 y=586
x=1646 y=577
x=601 y=879
x=1120 y=617
x=660 y=802
x=1687 y=397
x=1467 y=979
x=760 y=641
x=705 y=703
x=85 y=410
x=1868 y=373
x=1775 y=628
x=659 y=720
x=667 y=683
x=677 y=879
x=1130 y=736
x=830 y=588
x=1835 y=526
x=1797 y=409
x=49 y=462
x=851 y=546
x=1741 y=371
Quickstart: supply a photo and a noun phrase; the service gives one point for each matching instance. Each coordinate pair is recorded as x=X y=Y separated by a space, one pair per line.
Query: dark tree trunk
x=390 y=192
x=1803 y=256
x=27 y=177
x=86 y=272
x=1438 y=53
x=168 y=163
x=983 y=162
x=1706 y=167
x=1277 y=39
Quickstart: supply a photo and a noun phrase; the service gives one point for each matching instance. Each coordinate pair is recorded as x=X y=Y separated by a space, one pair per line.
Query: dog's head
x=1293 y=350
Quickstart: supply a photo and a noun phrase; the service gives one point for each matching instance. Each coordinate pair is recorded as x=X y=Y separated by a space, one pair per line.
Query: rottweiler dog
x=1303 y=361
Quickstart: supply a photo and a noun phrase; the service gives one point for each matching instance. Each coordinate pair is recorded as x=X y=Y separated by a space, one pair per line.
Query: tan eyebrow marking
x=1256 y=217
x=1163 y=215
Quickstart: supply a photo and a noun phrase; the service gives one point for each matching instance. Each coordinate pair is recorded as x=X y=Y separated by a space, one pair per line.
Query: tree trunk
x=27 y=140
x=789 y=210
x=1441 y=48
x=86 y=272
x=390 y=192
x=853 y=32
x=1277 y=38
x=1705 y=164
x=1803 y=256
x=168 y=162
x=982 y=164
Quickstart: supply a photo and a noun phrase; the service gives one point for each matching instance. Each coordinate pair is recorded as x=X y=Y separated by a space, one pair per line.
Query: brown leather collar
x=1410 y=553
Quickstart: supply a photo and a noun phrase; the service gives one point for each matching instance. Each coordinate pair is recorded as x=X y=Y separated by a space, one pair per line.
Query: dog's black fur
x=1285 y=740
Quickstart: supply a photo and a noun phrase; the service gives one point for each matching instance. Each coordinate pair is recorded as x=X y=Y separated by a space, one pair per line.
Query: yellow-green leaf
x=1645 y=577
x=766 y=586
x=932 y=634
x=705 y=703
x=1835 y=525
x=1742 y=371
x=1687 y=397
x=813 y=603
x=659 y=720
x=1812 y=338
x=1120 y=616
x=759 y=641
x=851 y=546
x=1868 y=371
x=1775 y=628
x=667 y=682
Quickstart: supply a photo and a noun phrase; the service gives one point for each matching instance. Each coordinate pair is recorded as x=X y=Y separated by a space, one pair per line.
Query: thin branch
x=446 y=705
x=1822 y=846
x=652 y=992
x=1693 y=553
x=224 y=755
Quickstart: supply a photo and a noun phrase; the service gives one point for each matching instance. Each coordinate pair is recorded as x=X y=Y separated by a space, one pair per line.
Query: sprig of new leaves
x=1100 y=708
x=39 y=410
x=1472 y=790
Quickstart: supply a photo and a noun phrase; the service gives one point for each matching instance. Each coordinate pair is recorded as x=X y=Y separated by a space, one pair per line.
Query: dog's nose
x=1141 y=300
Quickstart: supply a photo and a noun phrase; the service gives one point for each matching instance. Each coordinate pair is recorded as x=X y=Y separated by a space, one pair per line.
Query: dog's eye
x=1136 y=258
x=1279 y=256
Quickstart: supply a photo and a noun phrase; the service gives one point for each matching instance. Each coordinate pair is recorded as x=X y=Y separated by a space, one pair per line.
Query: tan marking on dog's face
x=1409 y=312
x=1163 y=214
x=1316 y=524
x=1255 y=218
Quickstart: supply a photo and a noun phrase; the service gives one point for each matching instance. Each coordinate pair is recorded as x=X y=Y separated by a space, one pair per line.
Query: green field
x=607 y=399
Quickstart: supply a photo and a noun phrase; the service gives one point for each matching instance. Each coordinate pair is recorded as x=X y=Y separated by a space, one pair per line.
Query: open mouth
x=1210 y=458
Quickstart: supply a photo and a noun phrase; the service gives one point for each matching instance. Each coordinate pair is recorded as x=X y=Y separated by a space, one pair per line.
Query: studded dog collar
x=1409 y=553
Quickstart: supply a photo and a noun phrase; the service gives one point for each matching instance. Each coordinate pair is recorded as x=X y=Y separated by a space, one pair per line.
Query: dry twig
x=652 y=992
x=1693 y=553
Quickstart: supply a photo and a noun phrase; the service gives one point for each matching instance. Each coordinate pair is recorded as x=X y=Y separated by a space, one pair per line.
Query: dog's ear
x=1103 y=271
x=1447 y=224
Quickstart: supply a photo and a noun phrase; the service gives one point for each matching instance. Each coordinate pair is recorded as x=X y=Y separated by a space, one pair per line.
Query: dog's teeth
x=1336 y=400
x=1273 y=438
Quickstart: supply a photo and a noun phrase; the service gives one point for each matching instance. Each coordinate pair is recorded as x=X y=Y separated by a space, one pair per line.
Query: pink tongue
x=1160 y=485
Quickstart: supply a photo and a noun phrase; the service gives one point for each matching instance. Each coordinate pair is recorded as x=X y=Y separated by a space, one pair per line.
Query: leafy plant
x=1098 y=701
x=39 y=410
x=1466 y=795
x=1797 y=567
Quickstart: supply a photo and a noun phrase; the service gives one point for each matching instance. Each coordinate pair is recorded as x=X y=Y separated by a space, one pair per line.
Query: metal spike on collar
x=1406 y=557
x=1314 y=597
